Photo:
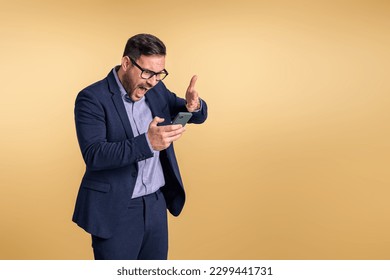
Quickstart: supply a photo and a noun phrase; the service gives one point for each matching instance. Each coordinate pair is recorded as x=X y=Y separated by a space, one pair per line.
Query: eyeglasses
x=147 y=74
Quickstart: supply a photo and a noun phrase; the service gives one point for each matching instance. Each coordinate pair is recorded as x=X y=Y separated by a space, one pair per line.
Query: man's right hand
x=161 y=137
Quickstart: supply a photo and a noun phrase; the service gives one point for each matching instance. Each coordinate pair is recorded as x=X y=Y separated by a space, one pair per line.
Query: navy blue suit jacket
x=111 y=153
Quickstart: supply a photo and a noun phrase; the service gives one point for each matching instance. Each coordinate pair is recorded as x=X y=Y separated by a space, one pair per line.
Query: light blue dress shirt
x=150 y=174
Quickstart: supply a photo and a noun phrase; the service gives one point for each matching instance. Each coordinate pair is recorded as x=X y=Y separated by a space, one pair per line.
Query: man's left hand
x=192 y=96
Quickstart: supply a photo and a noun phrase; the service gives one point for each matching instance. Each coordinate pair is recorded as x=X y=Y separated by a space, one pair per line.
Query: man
x=125 y=134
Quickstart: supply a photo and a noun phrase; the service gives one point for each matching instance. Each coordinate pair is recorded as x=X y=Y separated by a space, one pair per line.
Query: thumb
x=156 y=121
x=192 y=82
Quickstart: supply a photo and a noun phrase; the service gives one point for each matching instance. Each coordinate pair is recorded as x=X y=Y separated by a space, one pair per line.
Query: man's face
x=132 y=82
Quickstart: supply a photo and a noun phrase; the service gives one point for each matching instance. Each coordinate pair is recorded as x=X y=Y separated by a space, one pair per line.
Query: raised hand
x=192 y=96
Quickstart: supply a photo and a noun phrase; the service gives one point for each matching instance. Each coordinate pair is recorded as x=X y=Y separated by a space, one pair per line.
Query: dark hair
x=144 y=44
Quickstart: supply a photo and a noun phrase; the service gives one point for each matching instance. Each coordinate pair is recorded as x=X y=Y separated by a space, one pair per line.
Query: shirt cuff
x=200 y=107
x=150 y=146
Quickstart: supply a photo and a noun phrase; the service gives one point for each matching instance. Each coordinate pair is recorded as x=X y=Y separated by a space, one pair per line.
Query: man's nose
x=152 y=81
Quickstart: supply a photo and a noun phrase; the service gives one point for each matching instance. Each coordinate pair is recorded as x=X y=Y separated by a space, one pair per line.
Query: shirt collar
x=121 y=88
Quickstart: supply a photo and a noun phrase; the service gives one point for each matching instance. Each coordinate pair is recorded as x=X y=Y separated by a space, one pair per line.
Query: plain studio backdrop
x=292 y=163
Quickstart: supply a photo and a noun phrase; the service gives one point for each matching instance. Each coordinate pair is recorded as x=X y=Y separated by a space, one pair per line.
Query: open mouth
x=144 y=88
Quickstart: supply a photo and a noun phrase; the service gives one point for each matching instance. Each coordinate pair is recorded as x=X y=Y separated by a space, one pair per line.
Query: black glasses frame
x=149 y=73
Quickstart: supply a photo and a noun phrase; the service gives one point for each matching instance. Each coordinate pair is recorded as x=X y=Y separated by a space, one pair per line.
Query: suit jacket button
x=134 y=174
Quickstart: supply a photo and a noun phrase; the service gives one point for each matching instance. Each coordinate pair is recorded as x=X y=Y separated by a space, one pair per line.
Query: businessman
x=125 y=132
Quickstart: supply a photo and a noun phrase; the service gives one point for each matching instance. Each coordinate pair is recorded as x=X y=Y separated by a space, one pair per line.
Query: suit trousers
x=142 y=233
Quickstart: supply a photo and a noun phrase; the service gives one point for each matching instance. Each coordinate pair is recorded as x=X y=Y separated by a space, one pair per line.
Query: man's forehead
x=152 y=62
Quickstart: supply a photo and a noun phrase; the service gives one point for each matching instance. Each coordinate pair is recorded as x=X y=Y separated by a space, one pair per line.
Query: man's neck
x=120 y=73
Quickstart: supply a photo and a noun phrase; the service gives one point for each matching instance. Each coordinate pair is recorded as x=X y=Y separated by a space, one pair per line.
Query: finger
x=192 y=83
x=174 y=138
x=174 y=132
x=172 y=127
x=193 y=102
x=156 y=121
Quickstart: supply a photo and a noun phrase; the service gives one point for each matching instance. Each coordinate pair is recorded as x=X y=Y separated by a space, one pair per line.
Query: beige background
x=293 y=162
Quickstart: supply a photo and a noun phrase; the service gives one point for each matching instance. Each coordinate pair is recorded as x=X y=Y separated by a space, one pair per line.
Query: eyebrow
x=144 y=69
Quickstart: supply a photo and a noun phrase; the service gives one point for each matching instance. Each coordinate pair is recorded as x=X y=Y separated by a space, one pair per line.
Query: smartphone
x=182 y=118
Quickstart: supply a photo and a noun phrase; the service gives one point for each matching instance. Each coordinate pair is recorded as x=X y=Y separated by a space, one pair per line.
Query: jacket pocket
x=96 y=186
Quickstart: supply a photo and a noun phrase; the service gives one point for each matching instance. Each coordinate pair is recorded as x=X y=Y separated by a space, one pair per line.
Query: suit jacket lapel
x=157 y=105
x=118 y=102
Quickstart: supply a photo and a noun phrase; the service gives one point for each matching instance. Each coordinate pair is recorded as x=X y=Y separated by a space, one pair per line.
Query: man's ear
x=126 y=63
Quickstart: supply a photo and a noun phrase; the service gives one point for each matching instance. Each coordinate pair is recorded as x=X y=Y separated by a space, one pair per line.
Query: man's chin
x=137 y=96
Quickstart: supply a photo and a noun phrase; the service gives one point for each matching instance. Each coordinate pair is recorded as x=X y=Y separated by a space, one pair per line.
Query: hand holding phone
x=161 y=137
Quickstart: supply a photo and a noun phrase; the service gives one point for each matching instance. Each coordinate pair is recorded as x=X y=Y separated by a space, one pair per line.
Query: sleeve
x=97 y=152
